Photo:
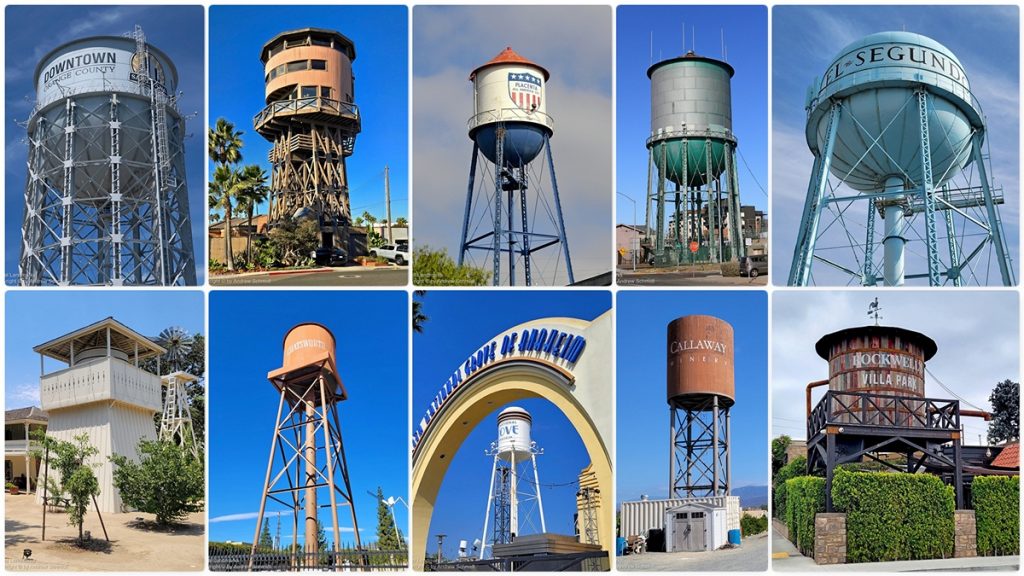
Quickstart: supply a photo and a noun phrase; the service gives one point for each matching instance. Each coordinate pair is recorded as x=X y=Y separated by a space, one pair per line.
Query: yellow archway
x=499 y=384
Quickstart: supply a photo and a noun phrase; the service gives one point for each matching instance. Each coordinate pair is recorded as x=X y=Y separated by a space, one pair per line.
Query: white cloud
x=254 y=515
x=23 y=395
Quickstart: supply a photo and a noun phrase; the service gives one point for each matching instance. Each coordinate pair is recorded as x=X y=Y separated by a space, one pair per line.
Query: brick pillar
x=965 y=534
x=830 y=538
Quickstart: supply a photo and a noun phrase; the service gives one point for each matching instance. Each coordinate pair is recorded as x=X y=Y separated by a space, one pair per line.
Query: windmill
x=176 y=418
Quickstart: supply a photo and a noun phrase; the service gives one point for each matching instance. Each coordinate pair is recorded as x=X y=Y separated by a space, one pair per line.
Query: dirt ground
x=136 y=544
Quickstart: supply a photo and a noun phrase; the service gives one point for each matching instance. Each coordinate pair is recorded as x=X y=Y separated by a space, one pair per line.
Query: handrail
x=874 y=409
x=510 y=115
x=310 y=104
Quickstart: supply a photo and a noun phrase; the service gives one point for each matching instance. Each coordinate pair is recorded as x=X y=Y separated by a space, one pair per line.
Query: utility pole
x=387 y=203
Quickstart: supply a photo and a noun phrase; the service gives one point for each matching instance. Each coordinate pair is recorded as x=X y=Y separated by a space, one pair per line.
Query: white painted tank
x=510 y=89
x=514 y=425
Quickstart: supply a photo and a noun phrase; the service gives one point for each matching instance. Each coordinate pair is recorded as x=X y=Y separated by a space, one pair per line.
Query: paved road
x=751 y=557
x=786 y=558
x=349 y=276
x=683 y=276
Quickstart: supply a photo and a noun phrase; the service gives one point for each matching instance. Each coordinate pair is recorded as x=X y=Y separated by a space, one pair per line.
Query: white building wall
x=637 y=517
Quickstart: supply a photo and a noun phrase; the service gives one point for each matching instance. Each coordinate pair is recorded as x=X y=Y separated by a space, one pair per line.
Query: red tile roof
x=1009 y=457
x=509 y=56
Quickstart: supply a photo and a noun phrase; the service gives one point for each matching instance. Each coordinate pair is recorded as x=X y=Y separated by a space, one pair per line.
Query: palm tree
x=418 y=317
x=252 y=192
x=223 y=188
x=225 y=148
x=401 y=222
x=370 y=220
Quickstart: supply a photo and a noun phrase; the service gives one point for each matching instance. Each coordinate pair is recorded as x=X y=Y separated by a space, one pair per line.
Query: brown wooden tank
x=307 y=343
x=878 y=360
x=700 y=361
x=308 y=63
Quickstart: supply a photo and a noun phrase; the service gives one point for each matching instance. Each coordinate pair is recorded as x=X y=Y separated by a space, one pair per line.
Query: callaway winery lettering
x=677 y=346
x=898 y=54
x=79 y=64
x=545 y=343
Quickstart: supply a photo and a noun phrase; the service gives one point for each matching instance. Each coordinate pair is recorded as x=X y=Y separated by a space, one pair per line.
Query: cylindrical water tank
x=878 y=360
x=876 y=79
x=306 y=343
x=510 y=90
x=700 y=361
x=95 y=352
x=514 y=425
x=691 y=99
x=76 y=84
x=308 y=63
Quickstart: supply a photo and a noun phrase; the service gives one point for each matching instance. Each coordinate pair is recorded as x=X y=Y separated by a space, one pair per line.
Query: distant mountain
x=751 y=496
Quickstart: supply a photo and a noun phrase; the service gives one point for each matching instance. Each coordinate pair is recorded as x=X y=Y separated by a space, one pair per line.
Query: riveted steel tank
x=514 y=428
x=306 y=343
x=700 y=361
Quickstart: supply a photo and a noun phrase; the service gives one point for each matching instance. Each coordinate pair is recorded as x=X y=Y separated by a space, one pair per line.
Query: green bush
x=894 y=516
x=167 y=481
x=996 y=502
x=791 y=470
x=730 y=269
x=805 y=498
x=750 y=525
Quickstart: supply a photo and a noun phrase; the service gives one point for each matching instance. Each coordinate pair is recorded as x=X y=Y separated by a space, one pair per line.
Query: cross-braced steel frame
x=307 y=428
x=847 y=427
x=176 y=418
x=970 y=219
x=699 y=459
x=504 y=232
x=311 y=139
x=701 y=214
x=504 y=495
x=106 y=202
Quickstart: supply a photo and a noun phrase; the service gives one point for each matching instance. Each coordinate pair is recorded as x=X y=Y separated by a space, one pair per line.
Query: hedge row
x=797 y=467
x=805 y=497
x=750 y=525
x=996 y=502
x=894 y=516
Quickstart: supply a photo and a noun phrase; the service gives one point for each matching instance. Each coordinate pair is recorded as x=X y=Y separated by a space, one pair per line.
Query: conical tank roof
x=509 y=56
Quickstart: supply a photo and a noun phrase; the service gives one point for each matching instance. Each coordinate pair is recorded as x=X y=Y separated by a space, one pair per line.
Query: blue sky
x=245 y=344
x=641 y=411
x=746 y=41
x=34 y=317
x=29 y=35
x=574 y=44
x=446 y=341
x=807 y=38
x=380 y=33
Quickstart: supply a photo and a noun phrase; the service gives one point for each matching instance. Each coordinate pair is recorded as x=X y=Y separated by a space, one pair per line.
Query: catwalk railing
x=596 y=561
x=883 y=410
x=346 y=560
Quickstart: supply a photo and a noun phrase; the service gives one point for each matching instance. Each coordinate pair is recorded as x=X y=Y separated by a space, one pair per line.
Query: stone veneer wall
x=965 y=534
x=830 y=538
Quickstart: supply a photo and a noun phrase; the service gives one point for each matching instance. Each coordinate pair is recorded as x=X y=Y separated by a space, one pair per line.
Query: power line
x=954 y=394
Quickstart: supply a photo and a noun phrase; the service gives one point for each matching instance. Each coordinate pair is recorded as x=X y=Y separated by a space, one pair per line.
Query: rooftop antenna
x=684 y=37
x=693 y=39
x=651 y=60
x=874 y=311
x=723 y=43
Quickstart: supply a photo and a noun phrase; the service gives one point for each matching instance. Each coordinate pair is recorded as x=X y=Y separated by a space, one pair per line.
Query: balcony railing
x=99 y=380
x=306 y=106
x=19 y=446
x=511 y=115
x=883 y=410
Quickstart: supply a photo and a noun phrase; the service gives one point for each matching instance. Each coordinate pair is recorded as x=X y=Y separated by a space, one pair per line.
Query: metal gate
x=688 y=533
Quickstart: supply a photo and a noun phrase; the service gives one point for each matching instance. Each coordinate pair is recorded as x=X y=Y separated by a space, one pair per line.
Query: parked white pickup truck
x=397 y=253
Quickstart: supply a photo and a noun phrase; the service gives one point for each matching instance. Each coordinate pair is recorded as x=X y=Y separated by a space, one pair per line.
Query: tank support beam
x=499 y=167
x=558 y=210
x=739 y=247
x=868 y=275
x=463 y=246
x=699 y=457
x=994 y=223
x=714 y=223
x=803 y=252
x=928 y=190
x=954 y=249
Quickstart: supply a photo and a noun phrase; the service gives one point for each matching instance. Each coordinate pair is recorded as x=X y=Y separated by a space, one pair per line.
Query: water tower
x=312 y=121
x=514 y=454
x=893 y=124
x=106 y=202
x=307 y=452
x=692 y=151
x=700 y=393
x=510 y=127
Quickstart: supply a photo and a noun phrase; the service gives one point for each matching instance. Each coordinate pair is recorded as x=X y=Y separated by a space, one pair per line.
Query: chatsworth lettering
x=305 y=344
x=544 y=343
x=902 y=54
x=72 y=62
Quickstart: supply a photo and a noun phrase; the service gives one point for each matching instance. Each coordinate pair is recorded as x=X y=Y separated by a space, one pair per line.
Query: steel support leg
x=558 y=210
x=469 y=204
x=713 y=223
x=803 y=253
x=868 y=275
x=735 y=215
x=927 y=190
x=526 y=237
x=511 y=236
x=995 y=225
x=659 y=234
x=499 y=166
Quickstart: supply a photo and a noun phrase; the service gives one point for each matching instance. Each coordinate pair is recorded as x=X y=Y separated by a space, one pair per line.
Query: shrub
x=795 y=468
x=435 y=268
x=753 y=524
x=894 y=516
x=167 y=482
x=996 y=502
x=730 y=269
x=805 y=498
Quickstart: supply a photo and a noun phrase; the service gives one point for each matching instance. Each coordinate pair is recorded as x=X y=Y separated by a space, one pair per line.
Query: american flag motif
x=524 y=89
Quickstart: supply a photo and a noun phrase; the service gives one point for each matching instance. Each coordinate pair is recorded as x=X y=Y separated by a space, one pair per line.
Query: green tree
x=76 y=478
x=436 y=268
x=779 y=456
x=387 y=536
x=253 y=191
x=418 y=317
x=166 y=481
x=294 y=241
x=224 y=146
x=1005 y=424
x=266 y=541
x=223 y=189
x=401 y=222
x=370 y=220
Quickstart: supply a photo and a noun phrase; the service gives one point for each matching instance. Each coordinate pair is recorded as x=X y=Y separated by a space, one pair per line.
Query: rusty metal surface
x=306 y=343
x=700 y=360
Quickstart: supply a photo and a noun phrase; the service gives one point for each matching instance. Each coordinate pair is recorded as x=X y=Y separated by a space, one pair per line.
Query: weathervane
x=874 y=311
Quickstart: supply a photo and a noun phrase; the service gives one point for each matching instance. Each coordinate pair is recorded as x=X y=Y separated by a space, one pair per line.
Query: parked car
x=754 y=266
x=397 y=253
x=325 y=256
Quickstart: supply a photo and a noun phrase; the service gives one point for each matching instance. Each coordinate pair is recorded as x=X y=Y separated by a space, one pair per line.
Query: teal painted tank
x=691 y=102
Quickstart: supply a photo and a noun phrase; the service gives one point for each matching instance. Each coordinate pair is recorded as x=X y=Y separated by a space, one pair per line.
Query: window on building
x=308 y=92
x=319 y=64
x=321 y=41
x=297 y=65
x=325 y=92
x=697 y=515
